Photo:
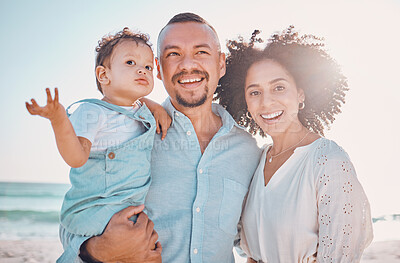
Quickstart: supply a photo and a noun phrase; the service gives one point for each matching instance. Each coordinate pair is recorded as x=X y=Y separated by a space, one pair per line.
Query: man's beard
x=200 y=101
x=192 y=104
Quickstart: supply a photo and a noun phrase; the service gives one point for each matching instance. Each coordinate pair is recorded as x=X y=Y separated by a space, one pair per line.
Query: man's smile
x=190 y=80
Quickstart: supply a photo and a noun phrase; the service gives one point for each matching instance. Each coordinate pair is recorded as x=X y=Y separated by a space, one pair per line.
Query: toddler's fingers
x=29 y=108
x=34 y=103
x=49 y=99
x=56 y=94
x=164 y=128
x=157 y=126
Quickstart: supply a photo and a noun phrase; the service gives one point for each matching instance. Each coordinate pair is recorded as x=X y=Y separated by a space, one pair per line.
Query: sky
x=51 y=44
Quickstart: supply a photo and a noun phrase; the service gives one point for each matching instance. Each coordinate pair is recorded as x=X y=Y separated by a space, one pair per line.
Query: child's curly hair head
x=304 y=57
x=107 y=44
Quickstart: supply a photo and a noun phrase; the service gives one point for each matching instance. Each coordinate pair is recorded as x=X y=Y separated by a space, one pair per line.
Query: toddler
x=107 y=142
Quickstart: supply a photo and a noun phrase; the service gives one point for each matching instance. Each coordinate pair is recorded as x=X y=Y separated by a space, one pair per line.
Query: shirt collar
x=227 y=121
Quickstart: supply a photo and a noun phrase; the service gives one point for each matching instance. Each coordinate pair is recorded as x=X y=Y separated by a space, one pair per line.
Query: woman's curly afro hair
x=304 y=57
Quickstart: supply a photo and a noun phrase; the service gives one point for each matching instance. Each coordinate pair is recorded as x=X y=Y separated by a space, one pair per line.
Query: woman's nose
x=267 y=99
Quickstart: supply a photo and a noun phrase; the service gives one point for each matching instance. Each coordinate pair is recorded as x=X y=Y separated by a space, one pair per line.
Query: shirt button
x=195 y=251
x=189 y=133
x=176 y=114
x=198 y=209
x=111 y=155
x=200 y=170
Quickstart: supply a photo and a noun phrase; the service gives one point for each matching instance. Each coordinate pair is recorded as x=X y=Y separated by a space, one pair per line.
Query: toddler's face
x=130 y=71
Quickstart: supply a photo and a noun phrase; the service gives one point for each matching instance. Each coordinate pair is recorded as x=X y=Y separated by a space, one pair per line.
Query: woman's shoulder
x=328 y=148
x=329 y=156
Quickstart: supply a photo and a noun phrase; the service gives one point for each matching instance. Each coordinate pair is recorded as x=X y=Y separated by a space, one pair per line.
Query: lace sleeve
x=344 y=217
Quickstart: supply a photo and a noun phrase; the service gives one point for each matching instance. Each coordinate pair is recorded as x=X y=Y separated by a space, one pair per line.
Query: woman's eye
x=279 y=88
x=149 y=68
x=254 y=93
x=131 y=62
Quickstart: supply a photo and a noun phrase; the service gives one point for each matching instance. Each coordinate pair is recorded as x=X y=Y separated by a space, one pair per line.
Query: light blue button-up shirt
x=195 y=200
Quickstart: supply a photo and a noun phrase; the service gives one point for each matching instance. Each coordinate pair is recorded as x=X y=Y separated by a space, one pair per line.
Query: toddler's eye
x=149 y=68
x=131 y=62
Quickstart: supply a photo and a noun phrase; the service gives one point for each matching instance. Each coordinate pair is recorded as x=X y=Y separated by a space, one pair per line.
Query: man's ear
x=222 y=65
x=158 y=69
x=101 y=75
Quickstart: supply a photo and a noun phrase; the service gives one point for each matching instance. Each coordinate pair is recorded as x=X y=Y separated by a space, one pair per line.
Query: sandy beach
x=46 y=251
x=31 y=251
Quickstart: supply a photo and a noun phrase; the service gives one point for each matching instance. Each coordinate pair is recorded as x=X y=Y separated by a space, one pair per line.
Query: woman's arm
x=74 y=150
x=344 y=216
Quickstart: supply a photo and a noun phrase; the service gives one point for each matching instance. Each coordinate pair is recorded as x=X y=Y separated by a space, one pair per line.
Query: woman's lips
x=272 y=117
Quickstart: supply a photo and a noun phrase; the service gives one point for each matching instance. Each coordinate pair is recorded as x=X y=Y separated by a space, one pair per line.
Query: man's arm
x=125 y=241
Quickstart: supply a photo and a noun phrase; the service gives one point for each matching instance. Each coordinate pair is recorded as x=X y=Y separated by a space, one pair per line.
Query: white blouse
x=313 y=209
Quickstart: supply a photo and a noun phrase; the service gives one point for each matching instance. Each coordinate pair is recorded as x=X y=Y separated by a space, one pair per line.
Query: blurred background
x=51 y=44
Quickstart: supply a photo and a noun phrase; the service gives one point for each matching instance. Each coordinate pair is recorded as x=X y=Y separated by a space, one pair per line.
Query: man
x=200 y=172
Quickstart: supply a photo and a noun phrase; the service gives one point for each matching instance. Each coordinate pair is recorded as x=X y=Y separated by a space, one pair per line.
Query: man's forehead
x=187 y=33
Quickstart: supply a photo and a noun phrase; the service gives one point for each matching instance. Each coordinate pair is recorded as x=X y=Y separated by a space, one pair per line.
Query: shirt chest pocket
x=231 y=206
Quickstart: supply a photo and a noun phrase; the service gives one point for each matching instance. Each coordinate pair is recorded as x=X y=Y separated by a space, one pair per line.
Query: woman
x=305 y=203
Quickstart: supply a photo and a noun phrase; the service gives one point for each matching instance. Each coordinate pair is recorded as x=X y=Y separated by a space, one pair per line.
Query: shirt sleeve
x=344 y=216
x=87 y=120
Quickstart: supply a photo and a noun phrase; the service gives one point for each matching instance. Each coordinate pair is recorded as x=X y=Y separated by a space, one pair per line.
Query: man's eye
x=131 y=62
x=279 y=88
x=149 y=68
x=202 y=52
x=172 y=54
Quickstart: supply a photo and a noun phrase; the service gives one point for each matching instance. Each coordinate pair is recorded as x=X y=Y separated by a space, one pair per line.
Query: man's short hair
x=182 y=18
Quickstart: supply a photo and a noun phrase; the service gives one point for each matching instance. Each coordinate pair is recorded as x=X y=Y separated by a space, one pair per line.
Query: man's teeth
x=184 y=81
x=272 y=115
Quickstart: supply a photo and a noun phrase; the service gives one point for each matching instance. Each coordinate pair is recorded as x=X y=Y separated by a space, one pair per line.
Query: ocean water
x=32 y=210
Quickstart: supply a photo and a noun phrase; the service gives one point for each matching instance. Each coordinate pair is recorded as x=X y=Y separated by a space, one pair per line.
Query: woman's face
x=272 y=98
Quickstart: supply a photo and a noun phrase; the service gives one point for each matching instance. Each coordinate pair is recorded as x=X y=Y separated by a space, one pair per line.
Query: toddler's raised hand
x=51 y=111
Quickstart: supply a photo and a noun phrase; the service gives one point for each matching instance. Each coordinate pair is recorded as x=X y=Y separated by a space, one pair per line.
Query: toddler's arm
x=163 y=120
x=73 y=149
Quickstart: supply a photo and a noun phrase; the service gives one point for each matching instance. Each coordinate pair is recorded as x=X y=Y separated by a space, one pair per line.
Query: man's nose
x=187 y=63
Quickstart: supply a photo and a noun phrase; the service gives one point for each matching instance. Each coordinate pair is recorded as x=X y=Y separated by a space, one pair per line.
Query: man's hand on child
x=50 y=111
